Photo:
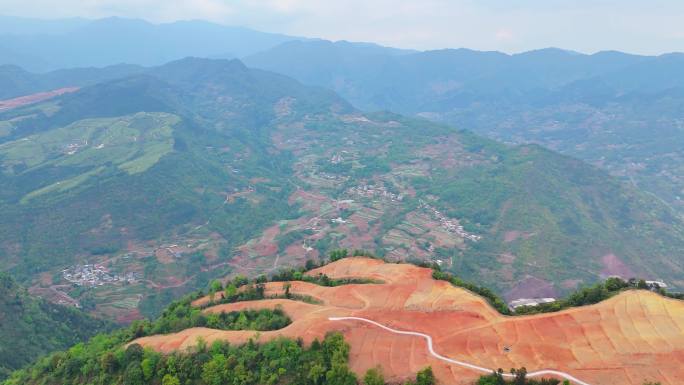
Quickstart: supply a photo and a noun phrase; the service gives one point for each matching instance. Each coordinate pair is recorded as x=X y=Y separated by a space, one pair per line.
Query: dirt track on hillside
x=34 y=98
x=633 y=337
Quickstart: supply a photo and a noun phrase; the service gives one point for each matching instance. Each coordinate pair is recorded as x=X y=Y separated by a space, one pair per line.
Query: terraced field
x=634 y=337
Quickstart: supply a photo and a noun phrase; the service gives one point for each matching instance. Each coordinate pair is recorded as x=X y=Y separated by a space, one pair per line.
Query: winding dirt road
x=631 y=339
x=432 y=351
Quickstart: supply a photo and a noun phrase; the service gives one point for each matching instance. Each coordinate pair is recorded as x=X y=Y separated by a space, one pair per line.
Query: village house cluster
x=337 y=158
x=449 y=225
x=95 y=275
x=72 y=148
x=332 y=177
x=372 y=191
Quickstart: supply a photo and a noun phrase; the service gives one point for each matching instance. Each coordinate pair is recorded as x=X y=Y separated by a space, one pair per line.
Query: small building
x=658 y=284
x=529 y=302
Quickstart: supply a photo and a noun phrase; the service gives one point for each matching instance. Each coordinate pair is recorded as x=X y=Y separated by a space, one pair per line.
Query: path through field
x=630 y=339
x=539 y=373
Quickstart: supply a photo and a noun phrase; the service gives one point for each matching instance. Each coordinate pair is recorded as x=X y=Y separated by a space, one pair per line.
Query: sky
x=635 y=26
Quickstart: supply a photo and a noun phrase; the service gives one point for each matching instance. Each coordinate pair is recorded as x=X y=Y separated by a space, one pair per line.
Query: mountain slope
x=202 y=168
x=14 y=81
x=618 y=111
x=589 y=343
x=114 y=166
x=38 y=326
x=312 y=325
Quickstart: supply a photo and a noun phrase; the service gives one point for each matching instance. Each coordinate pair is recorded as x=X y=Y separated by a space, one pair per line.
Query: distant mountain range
x=132 y=176
x=45 y=45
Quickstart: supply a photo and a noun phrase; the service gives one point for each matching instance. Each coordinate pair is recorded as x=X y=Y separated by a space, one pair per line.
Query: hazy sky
x=638 y=26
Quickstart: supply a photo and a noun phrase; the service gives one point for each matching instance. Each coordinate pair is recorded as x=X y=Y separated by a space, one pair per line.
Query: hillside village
x=373 y=191
x=448 y=224
x=92 y=275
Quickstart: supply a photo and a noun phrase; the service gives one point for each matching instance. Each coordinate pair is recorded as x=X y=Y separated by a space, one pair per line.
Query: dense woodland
x=37 y=326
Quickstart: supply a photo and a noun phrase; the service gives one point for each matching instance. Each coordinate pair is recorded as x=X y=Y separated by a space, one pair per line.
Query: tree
x=231 y=291
x=214 y=288
x=520 y=376
x=340 y=374
x=133 y=375
x=242 y=322
x=201 y=346
x=170 y=380
x=286 y=289
x=134 y=353
x=108 y=362
x=615 y=284
x=338 y=254
x=148 y=366
x=425 y=377
x=374 y=377
x=240 y=280
x=214 y=372
x=316 y=373
x=642 y=285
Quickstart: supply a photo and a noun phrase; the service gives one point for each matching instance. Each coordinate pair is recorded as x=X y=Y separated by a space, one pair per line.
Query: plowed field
x=628 y=339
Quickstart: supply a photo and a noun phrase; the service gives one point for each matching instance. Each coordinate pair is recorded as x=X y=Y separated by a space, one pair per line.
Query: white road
x=539 y=373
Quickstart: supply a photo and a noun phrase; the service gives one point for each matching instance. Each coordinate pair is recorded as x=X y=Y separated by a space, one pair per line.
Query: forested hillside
x=130 y=192
x=618 y=111
x=15 y=81
x=31 y=327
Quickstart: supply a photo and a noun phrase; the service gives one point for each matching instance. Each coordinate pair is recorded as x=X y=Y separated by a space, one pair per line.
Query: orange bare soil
x=34 y=98
x=630 y=338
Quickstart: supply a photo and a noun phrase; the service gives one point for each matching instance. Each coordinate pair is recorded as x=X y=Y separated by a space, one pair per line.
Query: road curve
x=460 y=363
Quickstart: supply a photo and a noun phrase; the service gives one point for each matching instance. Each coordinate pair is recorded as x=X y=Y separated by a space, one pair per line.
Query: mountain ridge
x=265 y=163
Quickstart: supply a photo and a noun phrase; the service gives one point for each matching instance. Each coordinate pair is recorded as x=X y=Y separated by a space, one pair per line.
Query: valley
x=276 y=173
x=185 y=200
x=618 y=111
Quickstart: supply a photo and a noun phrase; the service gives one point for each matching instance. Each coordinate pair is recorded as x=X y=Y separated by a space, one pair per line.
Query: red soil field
x=631 y=338
x=34 y=98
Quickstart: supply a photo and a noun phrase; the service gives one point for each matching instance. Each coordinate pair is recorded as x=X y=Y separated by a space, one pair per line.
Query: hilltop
x=632 y=337
x=333 y=323
x=201 y=168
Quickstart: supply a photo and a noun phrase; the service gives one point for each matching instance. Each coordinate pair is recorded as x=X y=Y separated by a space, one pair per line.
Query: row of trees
x=281 y=361
x=591 y=295
x=493 y=299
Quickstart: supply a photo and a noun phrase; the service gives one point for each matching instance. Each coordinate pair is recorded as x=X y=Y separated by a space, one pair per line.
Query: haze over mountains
x=140 y=161
x=44 y=45
x=201 y=167
x=621 y=112
x=615 y=110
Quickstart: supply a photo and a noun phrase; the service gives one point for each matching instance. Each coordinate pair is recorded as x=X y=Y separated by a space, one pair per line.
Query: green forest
x=38 y=327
